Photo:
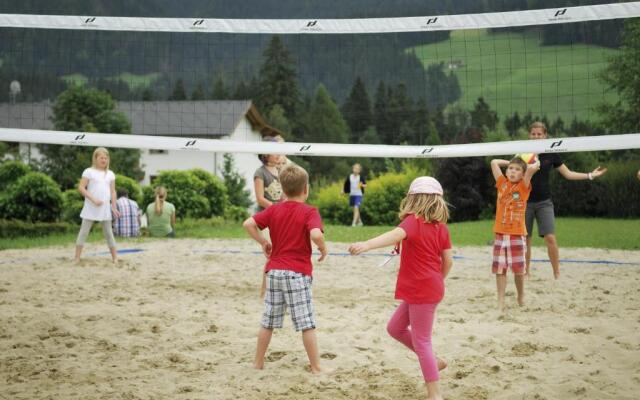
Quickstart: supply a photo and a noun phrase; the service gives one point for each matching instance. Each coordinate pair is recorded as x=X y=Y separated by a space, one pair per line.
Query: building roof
x=207 y=118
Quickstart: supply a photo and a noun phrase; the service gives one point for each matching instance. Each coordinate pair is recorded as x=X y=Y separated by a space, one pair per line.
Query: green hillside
x=515 y=73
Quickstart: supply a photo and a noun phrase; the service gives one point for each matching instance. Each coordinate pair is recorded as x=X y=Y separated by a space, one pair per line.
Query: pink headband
x=425 y=184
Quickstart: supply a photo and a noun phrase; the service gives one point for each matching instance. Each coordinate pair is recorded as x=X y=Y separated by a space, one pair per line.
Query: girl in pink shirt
x=425 y=260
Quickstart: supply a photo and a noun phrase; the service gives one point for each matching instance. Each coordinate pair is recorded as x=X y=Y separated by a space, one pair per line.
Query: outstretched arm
x=386 y=239
x=580 y=176
x=496 y=167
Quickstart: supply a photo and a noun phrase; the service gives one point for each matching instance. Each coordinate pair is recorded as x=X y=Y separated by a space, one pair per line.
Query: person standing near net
x=540 y=205
x=354 y=186
x=98 y=187
x=266 y=183
x=293 y=225
x=426 y=258
x=513 y=190
x=161 y=215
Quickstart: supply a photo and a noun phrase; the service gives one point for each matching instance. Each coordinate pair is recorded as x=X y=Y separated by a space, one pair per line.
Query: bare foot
x=258 y=365
x=556 y=273
x=521 y=300
x=442 y=364
x=318 y=370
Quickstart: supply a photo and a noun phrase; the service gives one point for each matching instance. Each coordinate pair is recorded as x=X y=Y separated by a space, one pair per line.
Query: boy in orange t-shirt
x=509 y=246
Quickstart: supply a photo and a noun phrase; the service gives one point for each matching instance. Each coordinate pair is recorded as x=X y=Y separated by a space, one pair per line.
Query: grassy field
x=134 y=81
x=571 y=232
x=515 y=73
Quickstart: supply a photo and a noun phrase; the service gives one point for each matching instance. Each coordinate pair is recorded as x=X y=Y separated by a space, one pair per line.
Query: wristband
x=590 y=176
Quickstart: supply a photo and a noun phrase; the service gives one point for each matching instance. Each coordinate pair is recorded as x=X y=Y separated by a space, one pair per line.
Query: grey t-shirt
x=272 y=188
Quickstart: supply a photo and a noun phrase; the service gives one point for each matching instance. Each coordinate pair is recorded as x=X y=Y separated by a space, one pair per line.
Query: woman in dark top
x=540 y=206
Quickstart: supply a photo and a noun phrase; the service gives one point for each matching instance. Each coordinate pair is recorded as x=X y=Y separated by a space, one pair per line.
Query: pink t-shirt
x=289 y=225
x=420 y=278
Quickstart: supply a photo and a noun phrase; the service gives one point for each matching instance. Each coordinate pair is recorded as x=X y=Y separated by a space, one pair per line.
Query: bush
x=72 y=203
x=11 y=171
x=15 y=228
x=214 y=190
x=133 y=188
x=148 y=197
x=381 y=200
x=34 y=197
x=383 y=195
x=235 y=213
x=332 y=204
x=184 y=191
x=613 y=195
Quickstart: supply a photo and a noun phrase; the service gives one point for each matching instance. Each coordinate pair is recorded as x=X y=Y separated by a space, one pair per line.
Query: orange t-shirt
x=511 y=205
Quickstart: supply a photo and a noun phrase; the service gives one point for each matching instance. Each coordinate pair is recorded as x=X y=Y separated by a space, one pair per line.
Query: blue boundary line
x=345 y=254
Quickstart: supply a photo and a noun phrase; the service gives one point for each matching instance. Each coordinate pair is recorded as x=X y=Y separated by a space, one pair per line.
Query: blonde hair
x=96 y=153
x=293 y=179
x=538 y=124
x=161 y=194
x=431 y=207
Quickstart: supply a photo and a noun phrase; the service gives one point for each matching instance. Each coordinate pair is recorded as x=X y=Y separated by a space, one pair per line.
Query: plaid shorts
x=508 y=251
x=293 y=290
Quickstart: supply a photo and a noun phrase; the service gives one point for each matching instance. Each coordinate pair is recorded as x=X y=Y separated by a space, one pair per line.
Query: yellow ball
x=529 y=158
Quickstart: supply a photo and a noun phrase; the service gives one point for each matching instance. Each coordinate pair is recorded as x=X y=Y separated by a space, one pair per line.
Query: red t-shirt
x=289 y=225
x=420 y=278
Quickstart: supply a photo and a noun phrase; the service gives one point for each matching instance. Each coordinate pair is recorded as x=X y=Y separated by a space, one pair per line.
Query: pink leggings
x=420 y=317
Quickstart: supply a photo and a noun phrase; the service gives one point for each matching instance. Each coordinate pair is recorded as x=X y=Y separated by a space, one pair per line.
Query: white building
x=236 y=120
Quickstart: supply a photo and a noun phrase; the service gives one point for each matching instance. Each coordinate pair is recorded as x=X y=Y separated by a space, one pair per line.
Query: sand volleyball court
x=178 y=320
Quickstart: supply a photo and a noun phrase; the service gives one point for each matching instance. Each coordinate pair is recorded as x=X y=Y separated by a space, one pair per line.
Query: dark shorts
x=542 y=212
x=355 y=201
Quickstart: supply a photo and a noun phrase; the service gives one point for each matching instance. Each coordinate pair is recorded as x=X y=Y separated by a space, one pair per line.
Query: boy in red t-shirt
x=292 y=226
x=509 y=227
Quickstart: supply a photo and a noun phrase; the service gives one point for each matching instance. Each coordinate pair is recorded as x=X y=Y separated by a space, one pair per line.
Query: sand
x=179 y=319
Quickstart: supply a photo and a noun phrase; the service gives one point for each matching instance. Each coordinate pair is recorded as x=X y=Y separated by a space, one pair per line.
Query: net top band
x=326 y=26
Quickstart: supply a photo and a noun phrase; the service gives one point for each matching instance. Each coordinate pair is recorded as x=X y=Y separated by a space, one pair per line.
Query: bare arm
x=258 y=187
x=317 y=237
x=447 y=262
x=251 y=227
x=173 y=220
x=114 y=208
x=580 y=176
x=496 y=167
x=531 y=169
x=82 y=188
x=386 y=239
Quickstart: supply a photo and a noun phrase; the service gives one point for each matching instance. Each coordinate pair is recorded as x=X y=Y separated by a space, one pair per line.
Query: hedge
x=16 y=228
x=381 y=202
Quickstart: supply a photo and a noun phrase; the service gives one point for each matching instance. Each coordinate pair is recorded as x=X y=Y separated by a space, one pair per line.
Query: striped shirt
x=128 y=224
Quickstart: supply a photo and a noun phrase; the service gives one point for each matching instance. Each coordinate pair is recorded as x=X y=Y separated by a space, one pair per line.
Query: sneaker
x=359 y=223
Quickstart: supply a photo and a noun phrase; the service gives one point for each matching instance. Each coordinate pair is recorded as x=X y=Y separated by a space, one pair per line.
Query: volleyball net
x=368 y=87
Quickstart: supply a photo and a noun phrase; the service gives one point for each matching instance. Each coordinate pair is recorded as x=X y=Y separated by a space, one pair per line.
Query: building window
x=153 y=151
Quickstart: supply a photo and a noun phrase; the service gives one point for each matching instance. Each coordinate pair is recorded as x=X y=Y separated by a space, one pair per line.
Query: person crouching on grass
x=509 y=245
x=293 y=225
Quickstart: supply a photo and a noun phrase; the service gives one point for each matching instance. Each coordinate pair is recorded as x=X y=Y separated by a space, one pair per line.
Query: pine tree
x=482 y=116
x=198 y=93
x=381 y=113
x=235 y=184
x=179 y=93
x=277 y=82
x=357 y=110
x=324 y=124
x=219 y=89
